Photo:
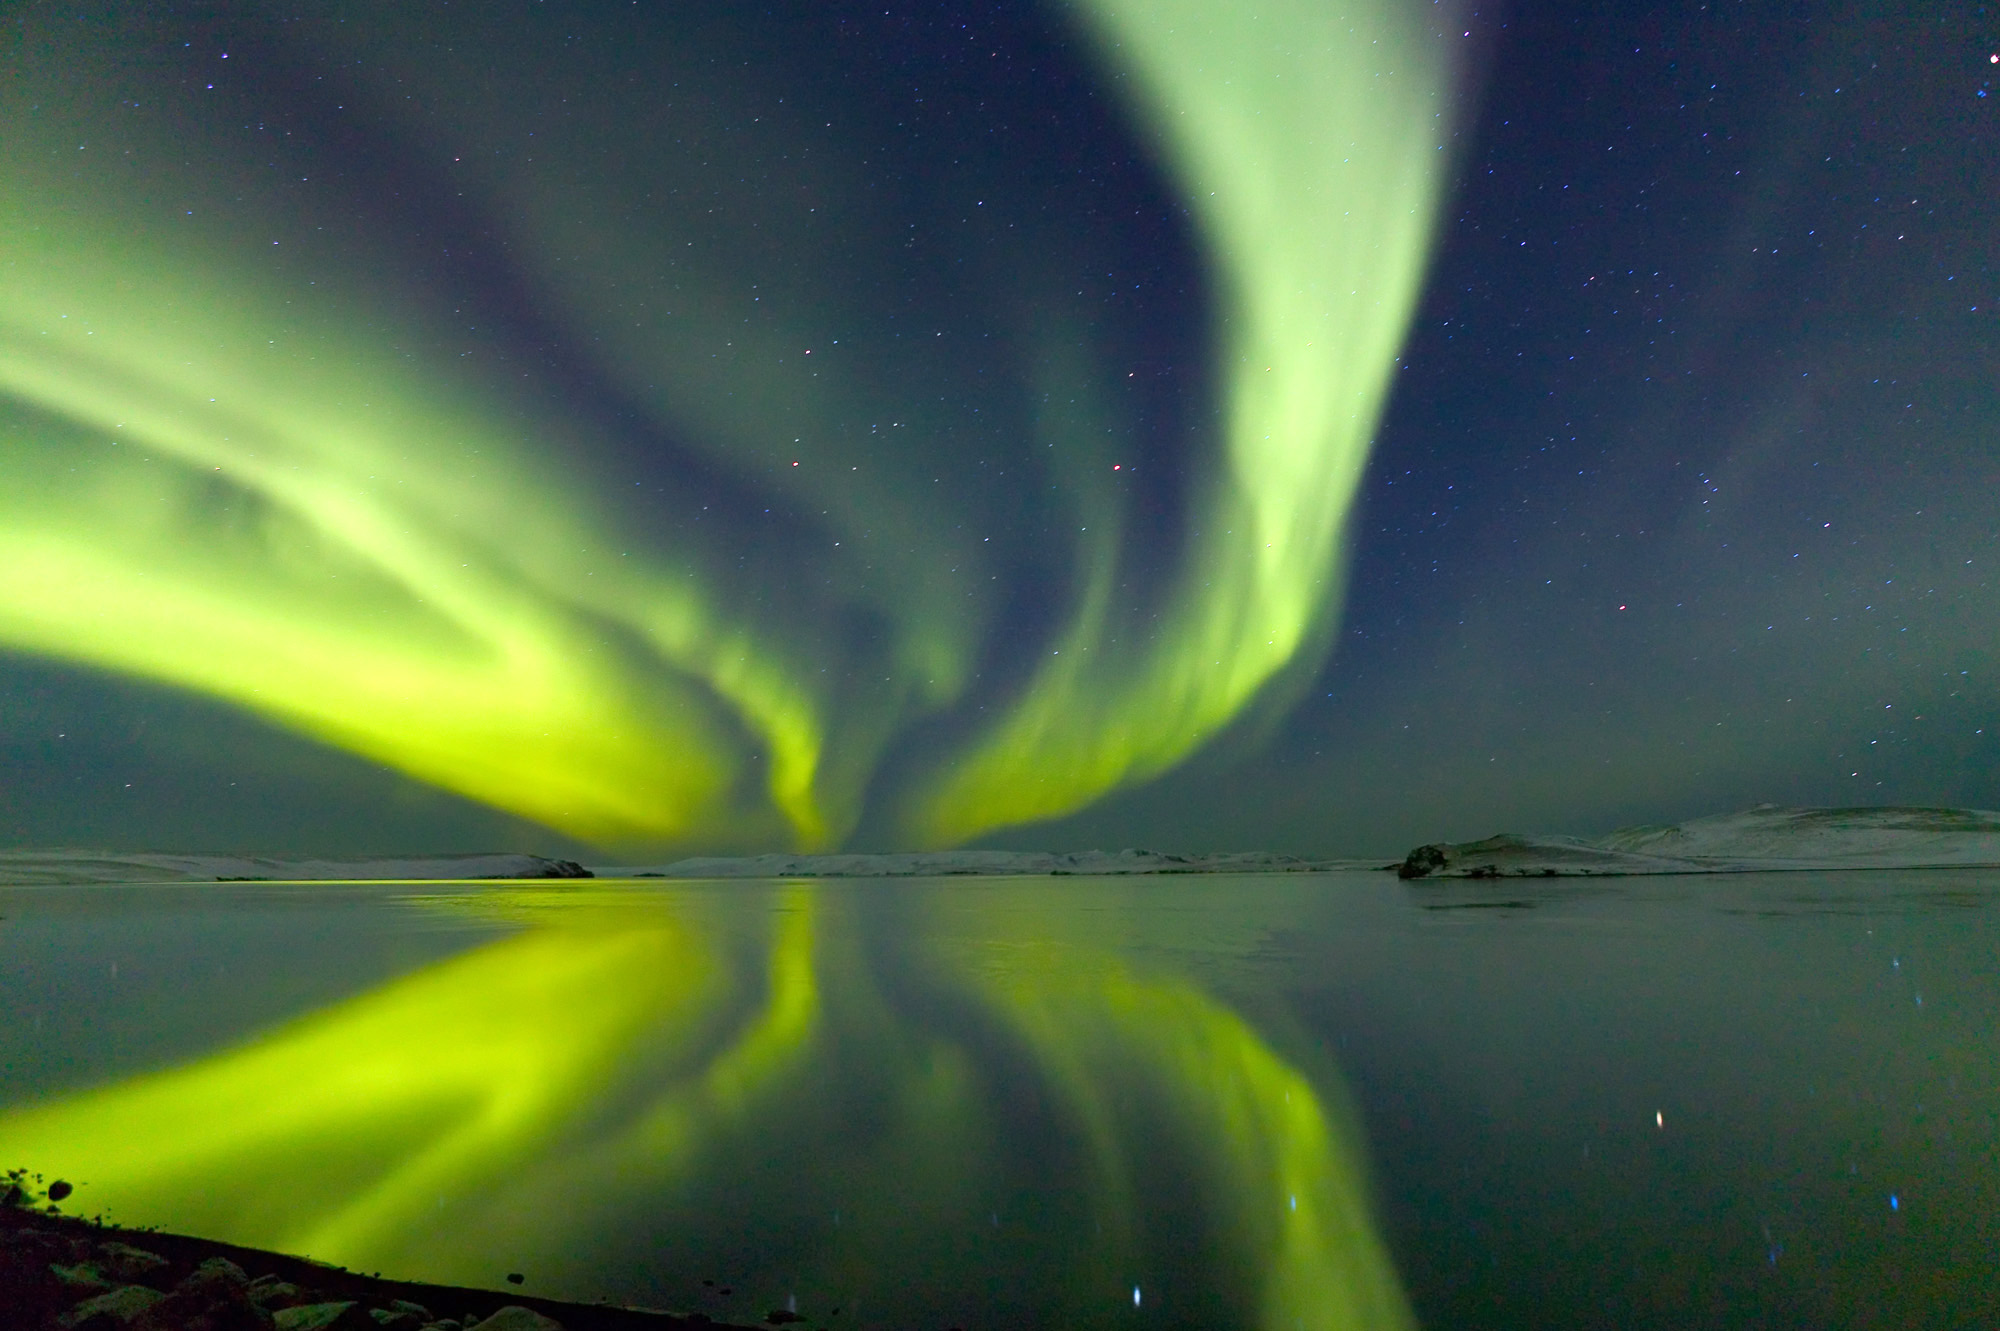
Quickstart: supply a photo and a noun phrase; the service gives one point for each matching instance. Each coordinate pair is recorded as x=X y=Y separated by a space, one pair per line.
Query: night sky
x=592 y=428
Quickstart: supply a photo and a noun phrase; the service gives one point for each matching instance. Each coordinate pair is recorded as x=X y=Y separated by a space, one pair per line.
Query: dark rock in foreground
x=60 y=1274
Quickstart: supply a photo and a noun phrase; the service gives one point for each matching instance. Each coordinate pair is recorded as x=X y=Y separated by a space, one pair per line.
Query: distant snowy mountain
x=90 y=866
x=950 y=863
x=1764 y=838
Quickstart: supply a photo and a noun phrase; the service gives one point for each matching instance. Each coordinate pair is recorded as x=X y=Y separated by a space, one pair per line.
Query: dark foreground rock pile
x=61 y=1274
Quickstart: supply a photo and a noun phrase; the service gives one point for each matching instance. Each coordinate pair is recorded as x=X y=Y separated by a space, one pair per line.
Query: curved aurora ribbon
x=1307 y=142
x=308 y=496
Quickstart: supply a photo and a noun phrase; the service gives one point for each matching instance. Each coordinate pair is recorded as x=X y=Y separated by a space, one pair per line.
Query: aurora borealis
x=1058 y=425
x=620 y=432
x=562 y=524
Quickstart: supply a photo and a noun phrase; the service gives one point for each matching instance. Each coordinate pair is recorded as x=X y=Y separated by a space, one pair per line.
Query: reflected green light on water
x=1284 y=1180
x=751 y=1085
x=332 y=1135
x=1650 y=1103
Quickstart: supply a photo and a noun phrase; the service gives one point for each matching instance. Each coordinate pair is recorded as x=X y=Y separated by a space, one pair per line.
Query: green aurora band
x=304 y=497
x=1308 y=145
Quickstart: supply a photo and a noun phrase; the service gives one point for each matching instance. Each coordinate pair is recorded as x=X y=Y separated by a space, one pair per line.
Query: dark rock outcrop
x=113 y=1310
x=62 y=1274
x=1421 y=862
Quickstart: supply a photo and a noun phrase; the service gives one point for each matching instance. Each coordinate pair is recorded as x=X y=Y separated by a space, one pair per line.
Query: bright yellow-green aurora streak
x=1307 y=143
x=297 y=498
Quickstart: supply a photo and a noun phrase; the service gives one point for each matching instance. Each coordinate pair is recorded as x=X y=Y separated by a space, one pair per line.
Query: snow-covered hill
x=1764 y=838
x=949 y=863
x=91 y=866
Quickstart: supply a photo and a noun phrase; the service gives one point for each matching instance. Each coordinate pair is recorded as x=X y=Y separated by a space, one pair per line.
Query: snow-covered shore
x=1762 y=839
x=93 y=866
x=950 y=863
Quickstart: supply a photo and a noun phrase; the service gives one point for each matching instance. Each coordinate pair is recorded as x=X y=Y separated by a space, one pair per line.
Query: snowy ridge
x=1762 y=839
x=91 y=866
x=950 y=863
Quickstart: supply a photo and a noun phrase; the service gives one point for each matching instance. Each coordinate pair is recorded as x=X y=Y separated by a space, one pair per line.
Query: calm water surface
x=1277 y=1101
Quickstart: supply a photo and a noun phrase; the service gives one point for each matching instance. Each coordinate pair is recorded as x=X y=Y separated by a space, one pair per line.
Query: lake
x=1277 y=1100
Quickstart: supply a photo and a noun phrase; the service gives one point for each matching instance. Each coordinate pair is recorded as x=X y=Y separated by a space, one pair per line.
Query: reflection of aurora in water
x=662 y=461
x=726 y=1076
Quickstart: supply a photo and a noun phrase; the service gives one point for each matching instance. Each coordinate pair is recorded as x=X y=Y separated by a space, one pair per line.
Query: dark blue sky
x=1686 y=497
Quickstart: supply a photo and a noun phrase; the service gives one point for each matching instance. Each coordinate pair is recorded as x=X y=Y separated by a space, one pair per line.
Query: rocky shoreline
x=58 y=1273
